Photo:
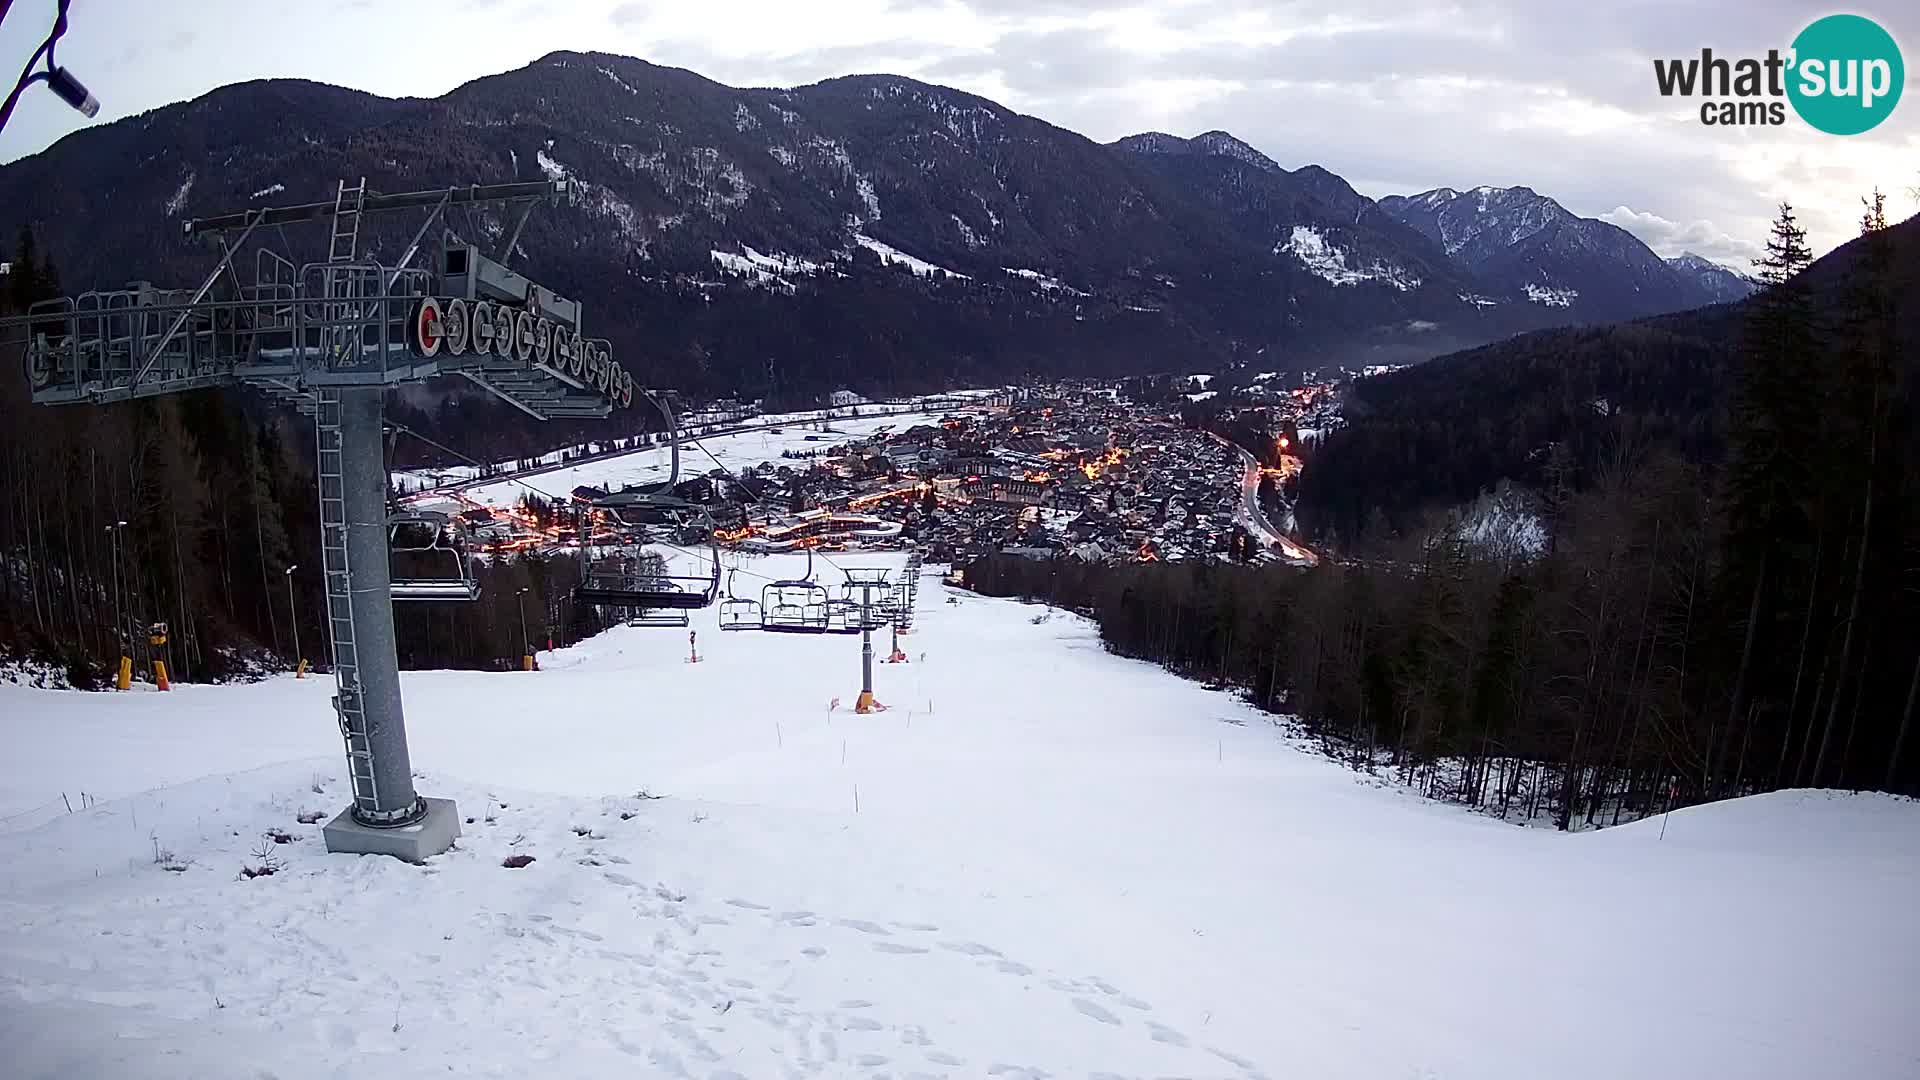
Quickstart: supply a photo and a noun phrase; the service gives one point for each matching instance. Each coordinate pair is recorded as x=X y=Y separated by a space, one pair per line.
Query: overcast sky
x=1397 y=97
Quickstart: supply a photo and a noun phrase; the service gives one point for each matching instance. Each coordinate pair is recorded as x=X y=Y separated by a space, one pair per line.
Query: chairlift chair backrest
x=738 y=612
x=640 y=582
x=405 y=530
x=794 y=607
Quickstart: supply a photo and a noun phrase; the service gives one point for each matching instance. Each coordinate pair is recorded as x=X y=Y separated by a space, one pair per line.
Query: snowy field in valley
x=760 y=442
x=733 y=452
x=1042 y=861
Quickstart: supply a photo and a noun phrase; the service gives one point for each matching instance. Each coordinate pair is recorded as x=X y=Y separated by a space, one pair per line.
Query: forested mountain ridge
x=1435 y=435
x=871 y=231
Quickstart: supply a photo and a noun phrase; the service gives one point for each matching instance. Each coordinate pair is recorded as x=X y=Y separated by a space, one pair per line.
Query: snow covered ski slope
x=1042 y=861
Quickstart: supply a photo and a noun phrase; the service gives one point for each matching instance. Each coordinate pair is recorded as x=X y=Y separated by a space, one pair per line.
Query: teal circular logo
x=1845 y=75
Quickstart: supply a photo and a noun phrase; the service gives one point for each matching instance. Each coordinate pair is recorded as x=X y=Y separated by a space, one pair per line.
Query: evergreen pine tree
x=23 y=276
x=1769 y=473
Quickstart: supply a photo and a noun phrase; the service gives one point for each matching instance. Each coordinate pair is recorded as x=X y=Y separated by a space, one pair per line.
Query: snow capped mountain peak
x=1473 y=225
x=1537 y=250
x=1720 y=283
x=1688 y=260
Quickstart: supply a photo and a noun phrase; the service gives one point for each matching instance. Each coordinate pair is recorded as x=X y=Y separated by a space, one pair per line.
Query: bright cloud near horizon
x=1558 y=96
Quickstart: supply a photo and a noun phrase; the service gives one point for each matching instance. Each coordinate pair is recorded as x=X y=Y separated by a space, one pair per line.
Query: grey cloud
x=627 y=14
x=1670 y=238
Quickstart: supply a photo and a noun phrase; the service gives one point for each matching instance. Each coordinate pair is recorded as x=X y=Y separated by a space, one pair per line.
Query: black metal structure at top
x=347 y=321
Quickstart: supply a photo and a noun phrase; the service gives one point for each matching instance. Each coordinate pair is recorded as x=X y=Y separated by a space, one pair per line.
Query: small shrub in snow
x=164 y=859
x=515 y=862
x=265 y=862
x=280 y=836
x=312 y=817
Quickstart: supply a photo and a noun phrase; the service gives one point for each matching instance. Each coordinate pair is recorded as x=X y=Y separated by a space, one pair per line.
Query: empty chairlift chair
x=795 y=605
x=428 y=560
x=738 y=612
x=640 y=583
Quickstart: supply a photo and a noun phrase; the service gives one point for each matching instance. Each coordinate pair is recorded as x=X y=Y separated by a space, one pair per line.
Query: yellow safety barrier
x=157 y=637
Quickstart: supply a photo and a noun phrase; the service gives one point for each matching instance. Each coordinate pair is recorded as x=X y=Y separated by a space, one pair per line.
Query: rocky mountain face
x=1515 y=239
x=1720 y=282
x=869 y=231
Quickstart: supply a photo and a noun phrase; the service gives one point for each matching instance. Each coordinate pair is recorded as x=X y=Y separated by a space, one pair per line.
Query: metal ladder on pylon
x=343 y=247
x=348 y=701
x=346 y=222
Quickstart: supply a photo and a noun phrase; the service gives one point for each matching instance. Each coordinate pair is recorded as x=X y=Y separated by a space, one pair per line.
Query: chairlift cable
x=399 y=427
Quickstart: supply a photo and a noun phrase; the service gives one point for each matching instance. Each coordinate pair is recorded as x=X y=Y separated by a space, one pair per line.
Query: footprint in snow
x=749 y=905
x=927 y=928
x=897 y=948
x=622 y=879
x=864 y=926
x=1097 y=1012
x=1234 y=1059
x=1013 y=968
x=856 y=1003
x=814 y=951
x=941 y=1057
x=971 y=948
x=860 y=1023
x=1164 y=1034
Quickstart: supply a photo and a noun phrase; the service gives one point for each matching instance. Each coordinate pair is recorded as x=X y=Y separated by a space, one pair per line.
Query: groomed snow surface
x=1061 y=864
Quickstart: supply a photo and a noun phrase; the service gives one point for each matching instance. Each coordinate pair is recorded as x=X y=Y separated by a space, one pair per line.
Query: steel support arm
x=375 y=204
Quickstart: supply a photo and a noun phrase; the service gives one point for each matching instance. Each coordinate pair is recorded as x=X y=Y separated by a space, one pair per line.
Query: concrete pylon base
x=432 y=834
